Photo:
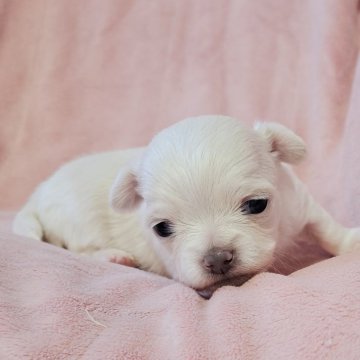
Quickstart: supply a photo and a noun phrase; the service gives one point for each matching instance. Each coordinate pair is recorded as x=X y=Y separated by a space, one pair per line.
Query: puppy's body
x=192 y=197
x=71 y=210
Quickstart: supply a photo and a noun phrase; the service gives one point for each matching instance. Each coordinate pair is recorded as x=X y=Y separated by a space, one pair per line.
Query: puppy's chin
x=208 y=291
x=233 y=280
x=206 y=284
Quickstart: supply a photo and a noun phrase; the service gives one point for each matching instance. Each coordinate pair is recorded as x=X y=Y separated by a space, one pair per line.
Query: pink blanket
x=55 y=305
x=84 y=76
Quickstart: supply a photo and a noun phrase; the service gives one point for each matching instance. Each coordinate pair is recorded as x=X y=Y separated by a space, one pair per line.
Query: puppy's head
x=206 y=189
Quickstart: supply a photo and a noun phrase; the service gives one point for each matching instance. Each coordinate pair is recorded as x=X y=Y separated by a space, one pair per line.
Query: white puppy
x=207 y=200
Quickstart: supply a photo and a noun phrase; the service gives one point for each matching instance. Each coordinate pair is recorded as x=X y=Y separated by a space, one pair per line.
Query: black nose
x=218 y=261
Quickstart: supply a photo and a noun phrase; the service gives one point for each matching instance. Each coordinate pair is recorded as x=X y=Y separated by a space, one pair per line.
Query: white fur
x=195 y=174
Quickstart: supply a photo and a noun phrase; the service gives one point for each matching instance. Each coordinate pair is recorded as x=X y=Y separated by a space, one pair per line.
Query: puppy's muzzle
x=218 y=261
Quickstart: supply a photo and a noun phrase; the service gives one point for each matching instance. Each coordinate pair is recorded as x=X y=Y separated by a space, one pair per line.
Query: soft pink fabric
x=83 y=76
x=55 y=305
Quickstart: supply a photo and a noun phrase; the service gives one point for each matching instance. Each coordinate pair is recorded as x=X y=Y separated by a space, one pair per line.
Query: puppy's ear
x=124 y=194
x=283 y=143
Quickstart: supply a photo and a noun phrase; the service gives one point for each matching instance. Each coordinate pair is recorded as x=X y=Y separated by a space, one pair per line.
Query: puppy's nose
x=218 y=261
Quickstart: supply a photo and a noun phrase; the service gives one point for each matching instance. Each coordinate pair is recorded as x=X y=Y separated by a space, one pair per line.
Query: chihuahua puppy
x=206 y=201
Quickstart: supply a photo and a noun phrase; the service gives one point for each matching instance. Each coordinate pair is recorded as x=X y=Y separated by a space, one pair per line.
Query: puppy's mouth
x=239 y=280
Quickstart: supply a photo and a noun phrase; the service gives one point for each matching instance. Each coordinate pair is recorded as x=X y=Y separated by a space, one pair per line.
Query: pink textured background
x=80 y=76
x=83 y=76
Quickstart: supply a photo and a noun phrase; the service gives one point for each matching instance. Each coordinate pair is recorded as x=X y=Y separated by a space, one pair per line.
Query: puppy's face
x=206 y=188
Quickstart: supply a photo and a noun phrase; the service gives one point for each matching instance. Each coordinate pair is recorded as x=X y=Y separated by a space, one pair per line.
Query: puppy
x=207 y=201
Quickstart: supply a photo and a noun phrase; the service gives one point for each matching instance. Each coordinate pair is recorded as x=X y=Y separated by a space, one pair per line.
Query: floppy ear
x=283 y=143
x=124 y=194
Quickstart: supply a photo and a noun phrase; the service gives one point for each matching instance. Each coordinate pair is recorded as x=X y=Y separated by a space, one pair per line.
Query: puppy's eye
x=254 y=206
x=164 y=229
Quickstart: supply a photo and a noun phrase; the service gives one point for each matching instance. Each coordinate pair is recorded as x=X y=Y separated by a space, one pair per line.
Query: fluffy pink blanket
x=56 y=305
x=84 y=76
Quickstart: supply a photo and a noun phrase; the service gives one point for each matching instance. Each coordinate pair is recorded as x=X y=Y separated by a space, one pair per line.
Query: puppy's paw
x=115 y=256
x=126 y=260
x=351 y=243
